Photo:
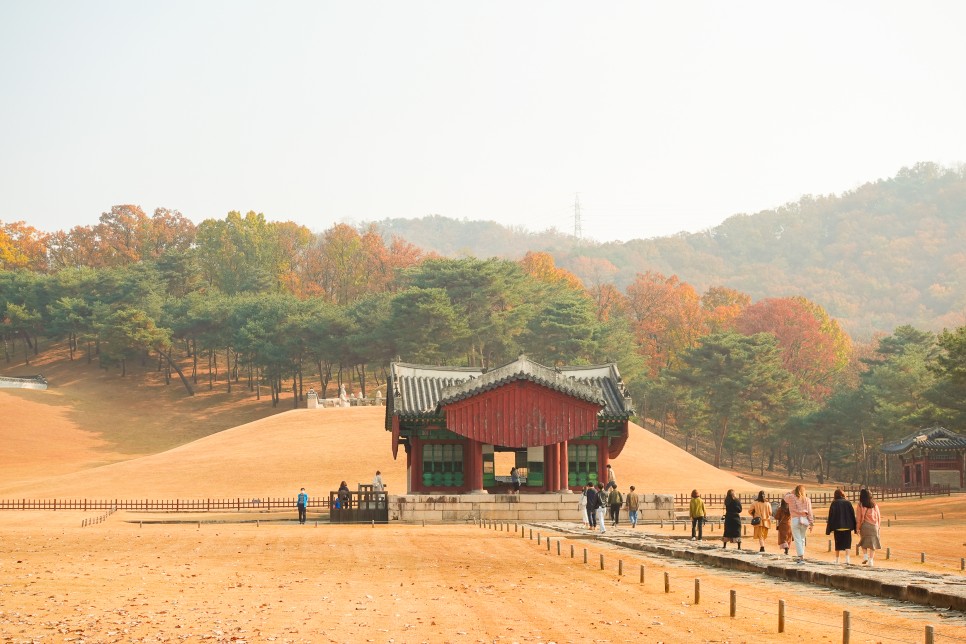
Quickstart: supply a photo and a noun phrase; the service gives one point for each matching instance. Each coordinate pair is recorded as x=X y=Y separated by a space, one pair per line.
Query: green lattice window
x=582 y=464
x=443 y=465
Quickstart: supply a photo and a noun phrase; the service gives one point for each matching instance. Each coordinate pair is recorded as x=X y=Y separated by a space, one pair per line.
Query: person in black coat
x=593 y=502
x=841 y=523
x=732 y=520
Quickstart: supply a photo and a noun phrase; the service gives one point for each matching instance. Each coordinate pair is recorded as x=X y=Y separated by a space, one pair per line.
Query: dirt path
x=117 y=582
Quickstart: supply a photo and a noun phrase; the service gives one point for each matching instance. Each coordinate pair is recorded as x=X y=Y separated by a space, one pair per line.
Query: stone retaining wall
x=460 y=508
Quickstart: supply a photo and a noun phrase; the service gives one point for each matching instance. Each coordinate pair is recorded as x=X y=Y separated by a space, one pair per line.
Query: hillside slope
x=317 y=449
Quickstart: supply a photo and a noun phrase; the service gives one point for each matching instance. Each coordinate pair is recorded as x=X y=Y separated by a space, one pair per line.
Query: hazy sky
x=662 y=116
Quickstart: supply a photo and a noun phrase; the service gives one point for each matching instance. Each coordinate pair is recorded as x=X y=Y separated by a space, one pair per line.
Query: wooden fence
x=823 y=498
x=162 y=505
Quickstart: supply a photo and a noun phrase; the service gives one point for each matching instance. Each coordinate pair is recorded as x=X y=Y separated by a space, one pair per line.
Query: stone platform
x=926 y=588
x=519 y=508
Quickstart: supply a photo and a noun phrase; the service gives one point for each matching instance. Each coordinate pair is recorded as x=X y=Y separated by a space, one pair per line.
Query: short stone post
x=585 y=555
x=697 y=591
x=642 y=573
x=620 y=567
x=846 y=626
x=781 y=615
x=667 y=582
x=601 y=561
x=930 y=635
x=733 y=603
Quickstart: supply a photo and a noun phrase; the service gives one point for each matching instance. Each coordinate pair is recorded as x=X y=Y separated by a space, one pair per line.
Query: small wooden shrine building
x=931 y=457
x=563 y=424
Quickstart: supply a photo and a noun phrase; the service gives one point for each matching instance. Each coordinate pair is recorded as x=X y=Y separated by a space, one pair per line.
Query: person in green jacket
x=696 y=512
x=615 y=500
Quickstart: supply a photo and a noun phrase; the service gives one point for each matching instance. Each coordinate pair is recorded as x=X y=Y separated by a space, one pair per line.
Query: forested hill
x=888 y=253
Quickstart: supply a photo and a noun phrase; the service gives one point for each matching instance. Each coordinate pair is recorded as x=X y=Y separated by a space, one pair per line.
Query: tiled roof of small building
x=420 y=389
x=936 y=438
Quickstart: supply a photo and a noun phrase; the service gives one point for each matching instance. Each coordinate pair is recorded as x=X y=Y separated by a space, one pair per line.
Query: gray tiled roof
x=419 y=389
x=936 y=438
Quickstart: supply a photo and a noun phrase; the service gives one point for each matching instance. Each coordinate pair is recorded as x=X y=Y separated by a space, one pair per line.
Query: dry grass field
x=93 y=435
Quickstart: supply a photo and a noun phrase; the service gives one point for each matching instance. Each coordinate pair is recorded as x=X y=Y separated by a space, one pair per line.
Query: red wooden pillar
x=473 y=458
x=564 y=467
x=549 y=467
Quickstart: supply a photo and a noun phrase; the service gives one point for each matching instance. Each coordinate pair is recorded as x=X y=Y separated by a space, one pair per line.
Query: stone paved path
x=927 y=588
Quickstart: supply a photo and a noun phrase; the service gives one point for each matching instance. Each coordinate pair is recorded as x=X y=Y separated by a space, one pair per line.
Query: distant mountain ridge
x=888 y=253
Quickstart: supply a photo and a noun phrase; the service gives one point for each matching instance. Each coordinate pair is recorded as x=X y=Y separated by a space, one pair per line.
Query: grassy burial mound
x=275 y=456
x=94 y=434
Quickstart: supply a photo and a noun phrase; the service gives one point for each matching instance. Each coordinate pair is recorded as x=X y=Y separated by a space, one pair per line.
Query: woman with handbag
x=732 y=520
x=761 y=519
x=800 y=507
x=869 y=518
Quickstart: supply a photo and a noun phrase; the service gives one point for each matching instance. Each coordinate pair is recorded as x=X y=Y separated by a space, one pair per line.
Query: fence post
x=930 y=635
x=585 y=555
x=846 y=626
x=642 y=573
x=697 y=591
x=733 y=602
x=922 y=557
x=558 y=547
x=888 y=553
x=620 y=567
x=602 y=561
x=667 y=582
x=781 y=615
x=571 y=551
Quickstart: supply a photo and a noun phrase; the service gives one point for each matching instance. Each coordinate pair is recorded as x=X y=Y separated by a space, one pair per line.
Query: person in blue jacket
x=302 y=503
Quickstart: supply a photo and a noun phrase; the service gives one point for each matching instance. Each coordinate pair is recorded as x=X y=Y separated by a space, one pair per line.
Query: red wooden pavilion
x=562 y=424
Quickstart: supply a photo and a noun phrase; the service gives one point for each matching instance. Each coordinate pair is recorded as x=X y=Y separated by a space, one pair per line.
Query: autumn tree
x=722 y=306
x=666 y=316
x=813 y=347
x=22 y=247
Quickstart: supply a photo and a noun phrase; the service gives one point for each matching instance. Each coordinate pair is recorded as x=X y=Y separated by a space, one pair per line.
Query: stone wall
x=510 y=507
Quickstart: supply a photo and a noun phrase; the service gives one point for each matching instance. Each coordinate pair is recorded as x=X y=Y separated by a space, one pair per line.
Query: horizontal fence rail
x=823 y=498
x=163 y=505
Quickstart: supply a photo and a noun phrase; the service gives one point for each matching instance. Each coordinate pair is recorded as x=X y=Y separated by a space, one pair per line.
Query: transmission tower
x=578 y=233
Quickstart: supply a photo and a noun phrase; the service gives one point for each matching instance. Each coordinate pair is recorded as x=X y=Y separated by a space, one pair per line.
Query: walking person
x=601 y=505
x=633 y=505
x=582 y=506
x=611 y=477
x=377 y=484
x=697 y=513
x=761 y=519
x=732 y=520
x=302 y=502
x=841 y=523
x=783 y=523
x=869 y=519
x=515 y=480
x=593 y=501
x=800 y=507
x=615 y=500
